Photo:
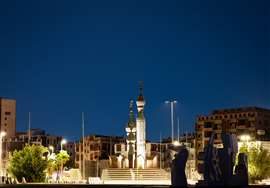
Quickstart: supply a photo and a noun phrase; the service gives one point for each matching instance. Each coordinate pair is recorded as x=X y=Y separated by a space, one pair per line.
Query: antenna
x=29 y=127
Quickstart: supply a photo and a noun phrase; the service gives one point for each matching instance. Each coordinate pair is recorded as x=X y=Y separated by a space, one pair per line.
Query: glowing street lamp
x=245 y=138
x=176 y=143
x=63 y=142
x=51 y=148
x=172 y=105
x=2 y=134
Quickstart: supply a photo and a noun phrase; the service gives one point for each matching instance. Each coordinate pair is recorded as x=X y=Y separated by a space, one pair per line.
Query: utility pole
x=83 y=170
x=160 y=163
x=178 y=129
x=172 y=119
x=29 y=128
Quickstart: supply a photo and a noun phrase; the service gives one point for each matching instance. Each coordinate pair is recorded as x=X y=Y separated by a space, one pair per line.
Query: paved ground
x=91 y=186
x=80 y=186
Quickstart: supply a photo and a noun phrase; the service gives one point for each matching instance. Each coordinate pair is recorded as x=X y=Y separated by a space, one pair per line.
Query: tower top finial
x=131 y=119
x=141 y=87
x=130 y=105
x=140 y=97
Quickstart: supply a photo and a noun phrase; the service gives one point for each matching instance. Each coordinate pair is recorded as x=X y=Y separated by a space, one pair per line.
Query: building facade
x=40 y=137
x=251 y=121
x=96 y=148
x=8 y=117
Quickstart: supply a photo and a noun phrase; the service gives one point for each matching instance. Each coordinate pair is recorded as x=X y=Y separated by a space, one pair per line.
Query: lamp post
x=172 y=105
x=64 y=141
x=51 y=148
x=2 y=134
x=245 y=139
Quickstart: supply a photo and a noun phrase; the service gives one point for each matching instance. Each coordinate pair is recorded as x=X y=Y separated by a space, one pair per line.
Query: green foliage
x=61 y=159
x=29 y=163
x=258 y=162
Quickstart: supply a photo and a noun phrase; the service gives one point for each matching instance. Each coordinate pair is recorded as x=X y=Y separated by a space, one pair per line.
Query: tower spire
x=140 y=130
x=140 y=97
x=141 y=87
x=131 y=120
x=131 y=136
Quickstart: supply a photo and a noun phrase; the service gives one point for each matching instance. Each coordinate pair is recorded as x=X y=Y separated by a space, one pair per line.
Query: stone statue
x=219 y=164
x=212 y=172
x=241 y=171
x=227 y=158
x=178 y=176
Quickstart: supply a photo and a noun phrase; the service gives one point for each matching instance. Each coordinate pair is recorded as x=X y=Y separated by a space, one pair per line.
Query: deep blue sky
x=59 y=58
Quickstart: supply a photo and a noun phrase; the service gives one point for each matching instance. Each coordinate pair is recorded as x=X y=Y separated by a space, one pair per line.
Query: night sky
x=59 y=58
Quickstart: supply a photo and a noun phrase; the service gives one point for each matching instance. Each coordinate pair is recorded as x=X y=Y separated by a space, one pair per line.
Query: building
x=251 y=121
x=96 y=148
x=70 y=148
x=8 y=117
x=40 y=137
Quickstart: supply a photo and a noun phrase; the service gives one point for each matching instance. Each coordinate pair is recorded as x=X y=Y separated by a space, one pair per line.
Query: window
x=232 y=125
x=118 y=147
x=7 y=113
x=207 y=134
x=241 y=122
x=207 y=125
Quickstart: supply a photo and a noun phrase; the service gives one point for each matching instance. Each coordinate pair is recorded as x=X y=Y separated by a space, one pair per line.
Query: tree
x=29 y=163
x=60 y=160
x=258 y=162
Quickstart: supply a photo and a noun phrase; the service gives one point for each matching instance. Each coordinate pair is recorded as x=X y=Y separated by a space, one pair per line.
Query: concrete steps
x=135 y=176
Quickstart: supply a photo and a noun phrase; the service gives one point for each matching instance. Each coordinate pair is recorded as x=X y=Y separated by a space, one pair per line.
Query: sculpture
x=212 y=172
x=178 y=176
x=219 y=163
x=241 y=171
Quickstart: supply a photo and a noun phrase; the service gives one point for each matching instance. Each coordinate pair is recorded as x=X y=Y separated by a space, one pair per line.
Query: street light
x=64 y=141
x=245 y=138
x=172 y=105
x=176 y=143
x=51 y=148
x=2 y=134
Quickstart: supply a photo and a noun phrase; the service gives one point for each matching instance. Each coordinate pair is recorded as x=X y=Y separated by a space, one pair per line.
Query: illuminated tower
x=131 y=137
x=140 y=127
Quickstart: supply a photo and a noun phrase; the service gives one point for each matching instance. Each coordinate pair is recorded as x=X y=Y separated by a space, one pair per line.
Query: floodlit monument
x=136 y=153
x=140 y=127
x=137 y=161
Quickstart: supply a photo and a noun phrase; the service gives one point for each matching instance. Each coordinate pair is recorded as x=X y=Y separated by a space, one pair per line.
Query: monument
x=219 y=164
x=178 y=176
x=140 y=127
x=136 y=161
